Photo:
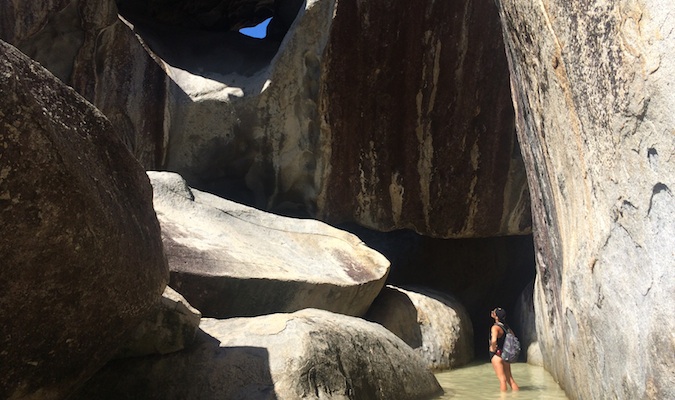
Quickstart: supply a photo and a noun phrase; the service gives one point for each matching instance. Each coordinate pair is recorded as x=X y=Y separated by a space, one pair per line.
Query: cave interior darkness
x=482 y=273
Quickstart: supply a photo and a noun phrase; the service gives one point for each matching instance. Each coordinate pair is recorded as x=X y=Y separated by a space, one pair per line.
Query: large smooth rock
x=311 y=354
x=418 y=123
x=592 y=86
x=81 y=256
x=229 y=260
x=434 y=324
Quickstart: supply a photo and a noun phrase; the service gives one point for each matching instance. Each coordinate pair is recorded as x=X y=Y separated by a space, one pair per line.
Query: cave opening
x=481 y=273
x=204 y=38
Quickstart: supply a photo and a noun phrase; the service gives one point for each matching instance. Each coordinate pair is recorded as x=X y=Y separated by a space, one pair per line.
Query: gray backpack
x=511 y=348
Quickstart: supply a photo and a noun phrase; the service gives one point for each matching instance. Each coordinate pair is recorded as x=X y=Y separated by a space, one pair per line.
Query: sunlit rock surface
x=592 y=85
x=282 y=123
x=232 y=260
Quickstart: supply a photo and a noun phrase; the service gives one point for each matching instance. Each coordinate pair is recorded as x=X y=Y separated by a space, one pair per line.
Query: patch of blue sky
x=259 y=31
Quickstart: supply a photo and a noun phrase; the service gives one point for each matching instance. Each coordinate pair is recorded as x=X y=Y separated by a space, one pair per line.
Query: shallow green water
x=478 y=381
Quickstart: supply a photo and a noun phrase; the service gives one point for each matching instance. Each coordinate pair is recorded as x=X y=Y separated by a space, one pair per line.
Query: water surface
x=478 y=381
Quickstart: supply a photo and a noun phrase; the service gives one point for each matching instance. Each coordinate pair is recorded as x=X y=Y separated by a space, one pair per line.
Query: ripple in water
x=478 y=381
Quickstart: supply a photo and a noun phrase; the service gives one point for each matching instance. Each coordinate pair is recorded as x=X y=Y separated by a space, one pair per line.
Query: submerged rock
x=307 y=354
x=434 y=324
x=81 y=258
x=232 y=260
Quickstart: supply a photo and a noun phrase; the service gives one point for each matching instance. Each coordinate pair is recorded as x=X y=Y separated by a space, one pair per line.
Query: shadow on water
x=478 y=381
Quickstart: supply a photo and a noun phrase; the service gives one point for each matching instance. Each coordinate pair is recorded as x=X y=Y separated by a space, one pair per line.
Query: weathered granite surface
x=229 y=260
x=81 y=257
x=311 y=354
x=86 y=45
x=282 y=124
x=434 y=324
x=592 y=84
x=417 y=122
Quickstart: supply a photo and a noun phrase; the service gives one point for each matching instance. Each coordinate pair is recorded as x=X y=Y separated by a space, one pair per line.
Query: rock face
x=170 y=327
x=480 y=273
x=434 y=324
x=81 y=250
x=418 y=121
x=308 y=354
x=88 y=47
x=242 y=113
x=232 y=260
x=524 y=323
x=593 y=90
x=281 y=123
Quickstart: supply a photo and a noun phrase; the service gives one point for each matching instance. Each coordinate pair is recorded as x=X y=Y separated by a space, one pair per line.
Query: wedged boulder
x=81 y=252
x=434 y=324
x=242 y=113
x=307 y=354
x=168 y=328
x=592 y=85
x=229 y=260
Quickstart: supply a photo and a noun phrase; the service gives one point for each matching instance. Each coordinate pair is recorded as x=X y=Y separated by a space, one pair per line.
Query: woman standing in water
x=497 y=335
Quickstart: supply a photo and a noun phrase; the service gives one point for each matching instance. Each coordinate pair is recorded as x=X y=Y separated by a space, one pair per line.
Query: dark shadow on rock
x=394 y=310
x=211 y=46
x=204 y=371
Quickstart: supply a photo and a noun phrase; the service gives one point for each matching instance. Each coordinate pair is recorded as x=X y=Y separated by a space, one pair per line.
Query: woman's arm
x=494 y=335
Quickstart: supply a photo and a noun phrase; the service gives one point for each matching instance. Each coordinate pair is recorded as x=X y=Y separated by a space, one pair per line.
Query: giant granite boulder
x=417 y=122
x=592 y=86
x=81 y=257
x=434 y=324
x=228 y=259
x=309 y=354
